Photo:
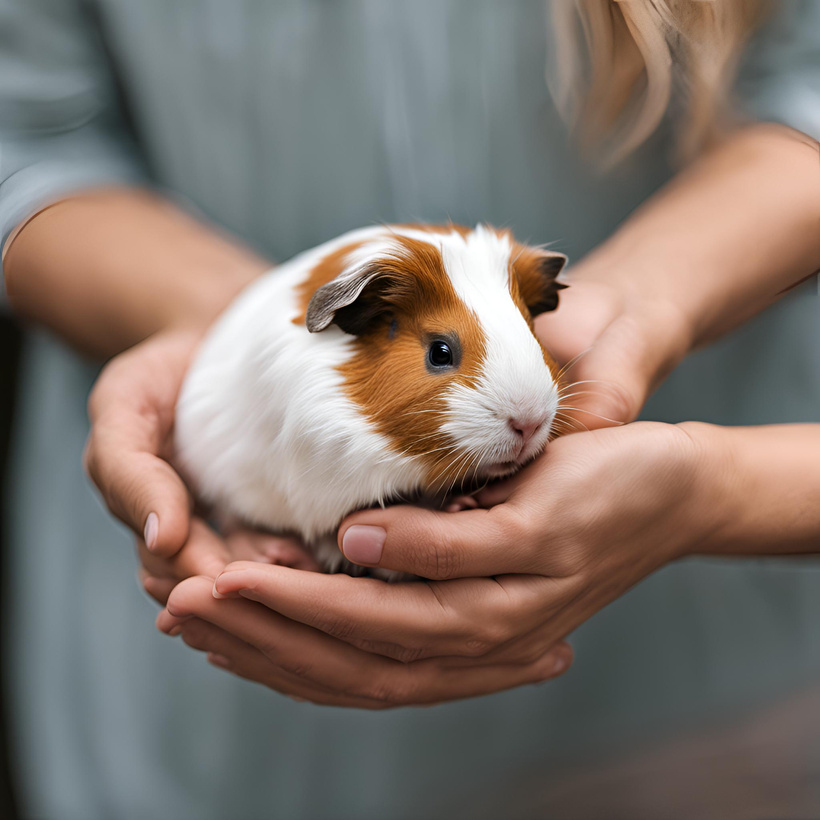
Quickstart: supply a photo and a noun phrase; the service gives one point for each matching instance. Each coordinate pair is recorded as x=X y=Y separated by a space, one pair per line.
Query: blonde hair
x=621 y=62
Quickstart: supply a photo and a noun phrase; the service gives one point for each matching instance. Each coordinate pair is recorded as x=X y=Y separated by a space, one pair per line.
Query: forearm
x=724 y=240
x=764 y=488
x=108 y=268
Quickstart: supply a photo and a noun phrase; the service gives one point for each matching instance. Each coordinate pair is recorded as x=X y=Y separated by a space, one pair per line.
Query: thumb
x=439 y=545
x=142 y=490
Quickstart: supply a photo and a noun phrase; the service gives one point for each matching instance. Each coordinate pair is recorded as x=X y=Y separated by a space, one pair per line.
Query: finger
x=158 y=588
x=439 y=545
x=239 y=658
x=204 y=553
x=326 y=662
x=604 y=389
x=500 y=491
x=460 y=503
x=406 y=621
x=132 y=413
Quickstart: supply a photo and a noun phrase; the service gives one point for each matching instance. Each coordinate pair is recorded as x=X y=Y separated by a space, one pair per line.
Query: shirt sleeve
x=61 y=124
x=779 y=80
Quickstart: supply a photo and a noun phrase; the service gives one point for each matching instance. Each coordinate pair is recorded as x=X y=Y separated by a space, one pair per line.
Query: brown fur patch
x=387 y=376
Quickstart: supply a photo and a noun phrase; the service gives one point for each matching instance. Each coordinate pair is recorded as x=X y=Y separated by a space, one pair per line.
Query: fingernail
x=217 y=593
x=561 y=661
x=174 y=631
x=218 y=660
x=363 y=545
x=151 y=530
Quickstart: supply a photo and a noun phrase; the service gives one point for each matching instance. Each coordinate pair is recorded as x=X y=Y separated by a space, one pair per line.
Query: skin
x=551 y=547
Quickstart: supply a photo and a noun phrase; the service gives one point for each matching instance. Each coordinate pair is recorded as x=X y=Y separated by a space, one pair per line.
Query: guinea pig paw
x=460 y=503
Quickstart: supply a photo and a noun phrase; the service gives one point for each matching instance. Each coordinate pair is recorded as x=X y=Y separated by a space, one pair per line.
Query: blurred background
x=10 y=344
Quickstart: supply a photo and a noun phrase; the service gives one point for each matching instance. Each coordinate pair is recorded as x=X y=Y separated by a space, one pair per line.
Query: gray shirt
x=289 y=123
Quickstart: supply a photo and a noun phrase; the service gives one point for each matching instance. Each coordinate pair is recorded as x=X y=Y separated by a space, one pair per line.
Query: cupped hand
x=128 y=457
x=307 y=663
x=128 y=452
x=576 y=529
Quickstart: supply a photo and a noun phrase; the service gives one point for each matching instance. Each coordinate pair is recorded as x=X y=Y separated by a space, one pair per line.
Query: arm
x=768 y=489
x=108 y=268
x=723 y=241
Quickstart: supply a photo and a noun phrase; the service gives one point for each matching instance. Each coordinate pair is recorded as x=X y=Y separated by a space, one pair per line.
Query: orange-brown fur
x=387 y=376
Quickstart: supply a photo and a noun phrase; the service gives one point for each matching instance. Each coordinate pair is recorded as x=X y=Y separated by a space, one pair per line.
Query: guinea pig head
x=444 y=362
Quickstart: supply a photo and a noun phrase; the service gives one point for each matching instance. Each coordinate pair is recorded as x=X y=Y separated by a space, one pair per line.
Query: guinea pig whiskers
x=455 y=464
x=582 y=381
x=572 y=362
x=566 y=425
x=591 y=413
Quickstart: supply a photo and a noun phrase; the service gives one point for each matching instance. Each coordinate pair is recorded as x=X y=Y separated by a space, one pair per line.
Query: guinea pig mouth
x=501 y=469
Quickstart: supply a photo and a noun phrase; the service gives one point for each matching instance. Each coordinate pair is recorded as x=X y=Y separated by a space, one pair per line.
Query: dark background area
x=10 y=345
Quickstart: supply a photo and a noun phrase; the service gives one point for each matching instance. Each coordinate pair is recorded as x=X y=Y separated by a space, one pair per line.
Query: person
x=442 y=113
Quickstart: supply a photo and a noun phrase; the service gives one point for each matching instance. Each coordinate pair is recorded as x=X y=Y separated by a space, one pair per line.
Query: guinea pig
x=392 y=363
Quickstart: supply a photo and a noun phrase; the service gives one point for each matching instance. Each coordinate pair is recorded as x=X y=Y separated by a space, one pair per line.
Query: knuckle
x=195 y=634
x=91 y=463
x=430 y=553
x=519 y=537
x=336 y=627
x=492 y=635
x=300 y=669
x=440 y=559
x=93 y=405
x=403 y=654
x=477 y=647
x=388 y=692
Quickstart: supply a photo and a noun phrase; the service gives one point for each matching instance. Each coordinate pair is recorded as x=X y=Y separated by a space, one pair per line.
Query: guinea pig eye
x=439 y=354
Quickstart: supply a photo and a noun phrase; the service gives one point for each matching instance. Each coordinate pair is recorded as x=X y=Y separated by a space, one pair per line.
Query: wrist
x=716 y=501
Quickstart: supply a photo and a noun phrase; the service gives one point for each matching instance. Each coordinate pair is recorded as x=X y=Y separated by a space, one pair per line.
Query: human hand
x=615 y=346
x=128 y=458
x=562 y=539
x=305 y=663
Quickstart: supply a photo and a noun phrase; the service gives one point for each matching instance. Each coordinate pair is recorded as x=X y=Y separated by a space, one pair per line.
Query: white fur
x=264 y=430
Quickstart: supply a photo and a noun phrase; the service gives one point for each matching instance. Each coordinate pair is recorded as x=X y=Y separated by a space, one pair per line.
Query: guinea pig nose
x=525 y=427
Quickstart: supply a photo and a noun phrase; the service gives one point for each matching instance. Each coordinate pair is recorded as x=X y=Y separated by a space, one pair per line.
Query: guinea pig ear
x=536 y=270
x=351 y=301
